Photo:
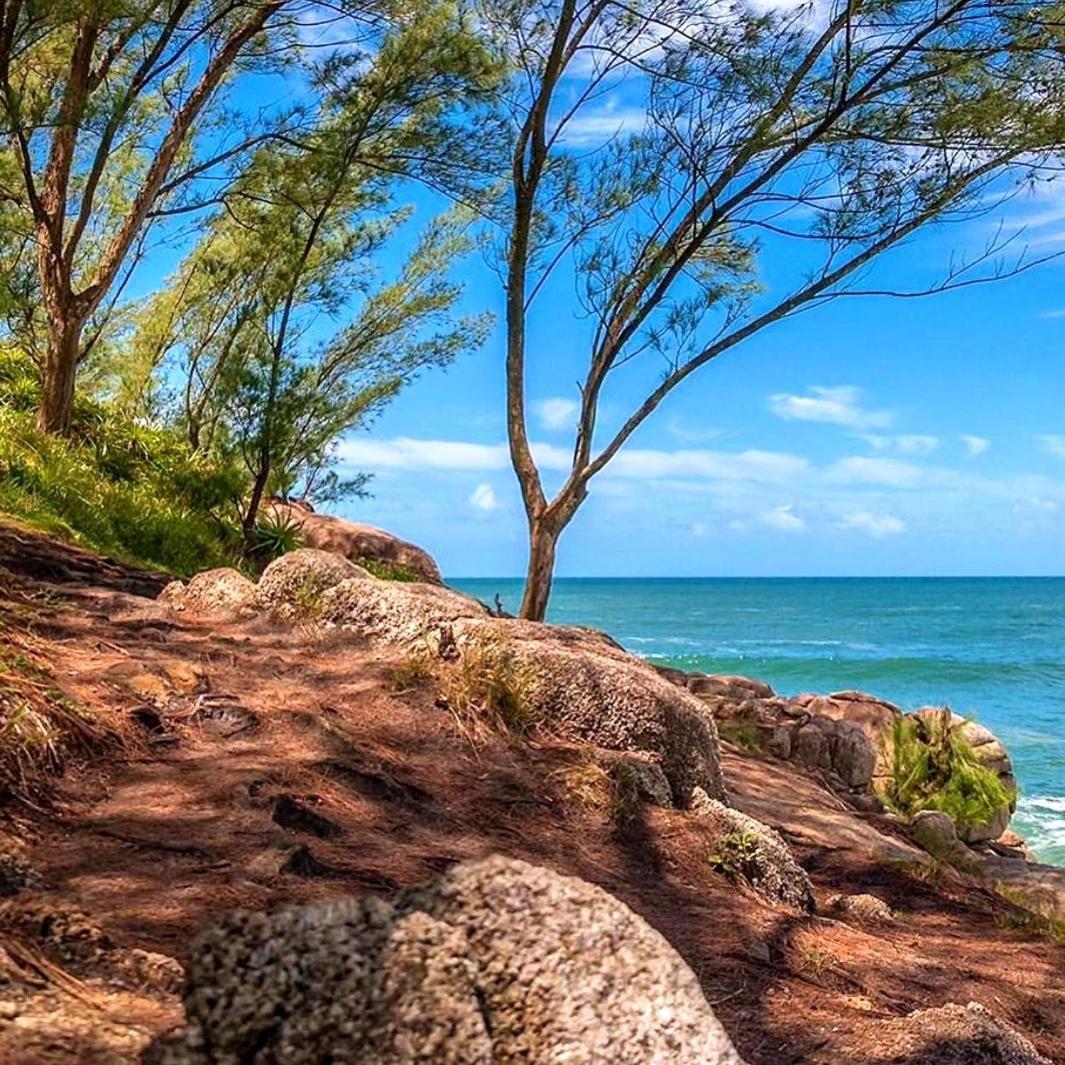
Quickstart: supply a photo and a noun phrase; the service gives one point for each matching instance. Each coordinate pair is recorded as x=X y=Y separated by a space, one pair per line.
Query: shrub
x=933 y=767
x=114 y=484
x=735 y=854
x=275 y=535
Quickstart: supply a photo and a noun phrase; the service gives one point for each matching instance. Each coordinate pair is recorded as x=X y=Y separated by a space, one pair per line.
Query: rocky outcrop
x=579 y=684
x=224 y=592
x=497 y=961
x=747 y=849
x=949 y=1035
x=292 y=585
x=861 y=909
x=355 y=541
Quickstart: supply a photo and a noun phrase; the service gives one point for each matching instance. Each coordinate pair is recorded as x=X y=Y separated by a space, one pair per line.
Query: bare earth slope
x=266 y=764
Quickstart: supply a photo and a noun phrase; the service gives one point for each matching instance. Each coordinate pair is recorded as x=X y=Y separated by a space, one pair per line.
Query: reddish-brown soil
x=265 y=764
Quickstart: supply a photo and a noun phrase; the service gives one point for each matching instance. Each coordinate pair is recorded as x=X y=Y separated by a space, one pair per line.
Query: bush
x=933 y=767
x=116 y=485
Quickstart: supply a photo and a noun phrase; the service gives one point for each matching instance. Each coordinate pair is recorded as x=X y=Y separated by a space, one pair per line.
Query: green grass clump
x=387 y=571
x=933 y=767
x=114 y=484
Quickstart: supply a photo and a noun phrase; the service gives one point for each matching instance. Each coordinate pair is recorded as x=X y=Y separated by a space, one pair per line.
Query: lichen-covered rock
x=577 y=684
x=498 y=961
x=948 y=1035
x=224 y=592
x=355 y=541
x=410 y=614
x=862 y=909
x=745 y=847
x=640 y=776
x=292 y=585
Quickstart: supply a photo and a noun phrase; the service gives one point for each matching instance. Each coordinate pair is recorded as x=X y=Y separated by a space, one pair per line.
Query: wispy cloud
x=905 y=444
x=771 y=467
x=834 y=406
x=484 y=498
x=876 y=525
x=590 y=127
x=893 y=473
x=556 y=413
x=1054 y=445
x=784 y=519
x=975 y=445
x=1053 y=314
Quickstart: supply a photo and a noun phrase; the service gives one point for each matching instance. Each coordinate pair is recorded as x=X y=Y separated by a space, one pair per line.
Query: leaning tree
x=112 y=119
x=816 y=138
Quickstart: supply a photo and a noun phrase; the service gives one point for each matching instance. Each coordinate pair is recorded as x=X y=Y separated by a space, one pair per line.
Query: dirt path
x=264 y=765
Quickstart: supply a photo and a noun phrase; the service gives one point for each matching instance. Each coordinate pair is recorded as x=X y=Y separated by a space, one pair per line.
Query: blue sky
x=867 y=437
x=871 y=436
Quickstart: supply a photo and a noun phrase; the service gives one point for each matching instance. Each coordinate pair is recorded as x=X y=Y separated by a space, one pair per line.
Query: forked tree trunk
x=543 y=540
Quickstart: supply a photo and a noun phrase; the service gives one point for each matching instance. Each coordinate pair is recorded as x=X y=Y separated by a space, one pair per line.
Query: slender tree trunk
x=543 y=540
x=58 y=370
x=251 y=513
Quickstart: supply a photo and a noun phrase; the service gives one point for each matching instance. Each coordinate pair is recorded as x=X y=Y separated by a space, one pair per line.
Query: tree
x=793 y=136
x=249 y=324
x=103 y=104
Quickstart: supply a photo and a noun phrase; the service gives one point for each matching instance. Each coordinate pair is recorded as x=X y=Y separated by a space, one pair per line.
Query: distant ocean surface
x=991 y=648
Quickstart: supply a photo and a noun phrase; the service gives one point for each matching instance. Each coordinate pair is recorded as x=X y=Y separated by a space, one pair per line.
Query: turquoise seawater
x=991 y=648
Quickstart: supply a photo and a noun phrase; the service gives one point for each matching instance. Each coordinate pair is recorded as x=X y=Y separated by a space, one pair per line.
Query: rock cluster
x=498 y=961
x=293 y=584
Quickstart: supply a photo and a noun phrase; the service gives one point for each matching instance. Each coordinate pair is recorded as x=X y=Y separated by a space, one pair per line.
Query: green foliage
x=744 y=734
x=387 y=571
x=115 y=485
x=933 y=767
x=275 y=535
x=735 y=854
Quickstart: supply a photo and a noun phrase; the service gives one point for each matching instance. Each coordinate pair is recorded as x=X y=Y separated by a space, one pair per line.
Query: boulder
x=948 y=1035
x=496 y=961
x=213 y=592
x=872 y=716
x=292 y=585
x=409 y=614
x=579 y=685
x=861 y=909
x=746 y=848
x=639 y=776
x=936 y=833
x=729 y=686
x=355 y=541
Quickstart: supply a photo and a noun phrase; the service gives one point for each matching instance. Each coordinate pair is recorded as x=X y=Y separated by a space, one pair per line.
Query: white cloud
x=1053 y=314
x=556 y=413
x=402 y=452
x=906 y=444
x=975 y=445
x=591 y=127
x=484 y=498
x=893 y=473
x=784 y=519
x=876 y=525
x=1055 y=445
x=833 y=406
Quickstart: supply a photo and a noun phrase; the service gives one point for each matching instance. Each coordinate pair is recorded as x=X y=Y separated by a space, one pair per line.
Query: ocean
x=992 y=649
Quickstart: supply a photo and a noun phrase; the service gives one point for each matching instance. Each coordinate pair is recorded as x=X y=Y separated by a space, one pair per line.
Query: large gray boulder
x=496 y=963
x=293 y=585
x=579 y=684
x=215 y=592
